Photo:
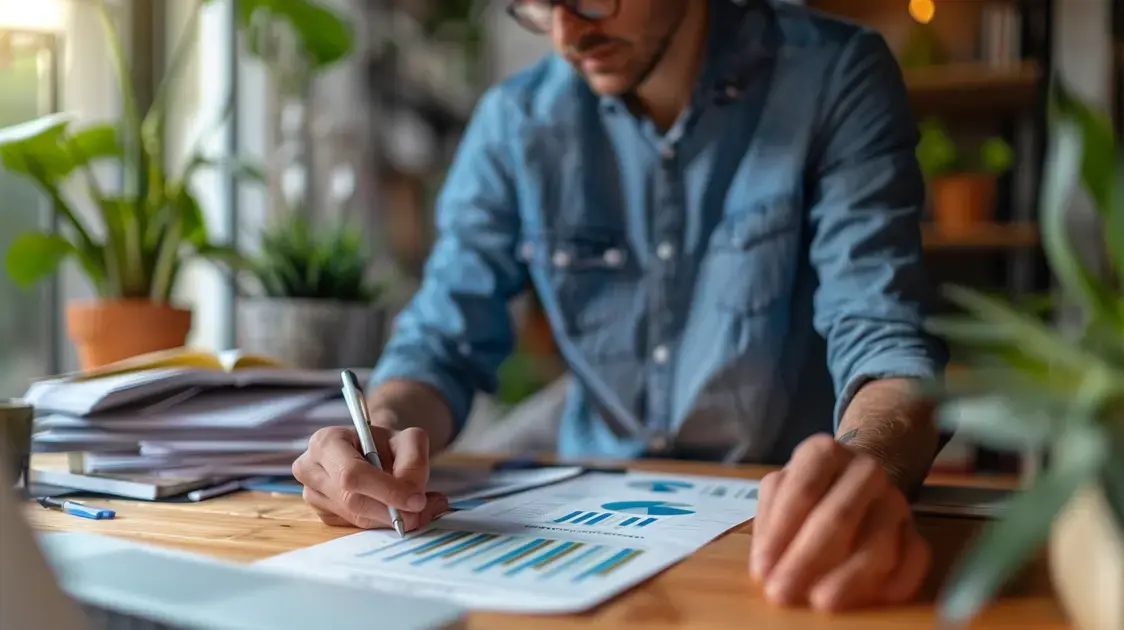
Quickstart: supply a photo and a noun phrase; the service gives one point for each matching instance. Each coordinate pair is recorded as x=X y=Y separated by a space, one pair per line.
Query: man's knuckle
x=837 y=514
x=802 y=491
x=350 y=476
x=309 y=496
x=298 y=468
x=354 y=502
x=324 y=436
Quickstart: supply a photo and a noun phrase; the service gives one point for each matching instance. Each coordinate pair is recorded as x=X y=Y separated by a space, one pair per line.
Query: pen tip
x=399 y=528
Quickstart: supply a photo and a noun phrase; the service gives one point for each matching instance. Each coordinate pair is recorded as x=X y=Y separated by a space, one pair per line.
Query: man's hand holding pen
x=345 y=489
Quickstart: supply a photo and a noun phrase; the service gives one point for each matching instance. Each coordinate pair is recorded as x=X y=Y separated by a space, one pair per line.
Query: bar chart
x=501 y=556
x=603 y=519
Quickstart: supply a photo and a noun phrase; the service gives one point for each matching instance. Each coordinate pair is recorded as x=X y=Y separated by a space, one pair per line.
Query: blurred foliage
x=155 y=225
x=1033 y=387
x=520 y=377
x=299 y=261
x=939 y=154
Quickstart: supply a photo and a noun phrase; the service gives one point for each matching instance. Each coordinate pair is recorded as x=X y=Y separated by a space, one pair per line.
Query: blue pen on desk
x=75 y=508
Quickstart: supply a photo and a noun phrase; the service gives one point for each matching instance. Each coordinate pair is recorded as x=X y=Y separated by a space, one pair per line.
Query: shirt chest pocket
x=752 y=256
x=588 y=283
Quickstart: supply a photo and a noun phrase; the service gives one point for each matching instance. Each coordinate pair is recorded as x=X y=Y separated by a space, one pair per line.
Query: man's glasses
x=537 y=15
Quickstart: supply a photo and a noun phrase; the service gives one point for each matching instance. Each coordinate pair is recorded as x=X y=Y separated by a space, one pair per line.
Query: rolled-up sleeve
x=457 y=329
x=868 y=196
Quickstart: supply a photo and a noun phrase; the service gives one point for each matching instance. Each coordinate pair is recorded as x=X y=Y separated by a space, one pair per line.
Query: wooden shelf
x=972 y=87
x=984 y=236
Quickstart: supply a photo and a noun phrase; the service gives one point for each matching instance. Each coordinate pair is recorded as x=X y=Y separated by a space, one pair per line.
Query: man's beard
x=661 y=51
x=650 y=65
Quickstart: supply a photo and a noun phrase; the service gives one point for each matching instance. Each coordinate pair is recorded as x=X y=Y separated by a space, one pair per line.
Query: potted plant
x=962 y=183
x=140 y=237
x=312 y=303
x=1036 y=387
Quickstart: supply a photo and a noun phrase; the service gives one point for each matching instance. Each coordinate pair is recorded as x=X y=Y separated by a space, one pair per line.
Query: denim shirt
x=718 y=291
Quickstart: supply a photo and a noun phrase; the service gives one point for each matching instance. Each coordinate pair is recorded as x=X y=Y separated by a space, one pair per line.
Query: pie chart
x=658 y=485
x=649 y=508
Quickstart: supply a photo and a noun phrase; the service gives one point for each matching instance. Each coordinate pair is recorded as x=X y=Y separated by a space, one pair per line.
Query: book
x=54 y=470
x=184 y=358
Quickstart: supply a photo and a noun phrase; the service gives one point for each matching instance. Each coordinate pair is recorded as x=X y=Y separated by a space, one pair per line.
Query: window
x=52 y=58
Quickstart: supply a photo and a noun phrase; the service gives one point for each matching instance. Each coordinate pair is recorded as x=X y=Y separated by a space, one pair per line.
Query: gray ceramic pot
x=312 y=334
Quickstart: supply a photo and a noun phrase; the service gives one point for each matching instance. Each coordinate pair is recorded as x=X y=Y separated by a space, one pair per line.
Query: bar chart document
x=558 y=549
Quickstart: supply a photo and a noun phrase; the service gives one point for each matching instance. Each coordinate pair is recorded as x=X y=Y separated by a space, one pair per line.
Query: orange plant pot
x=108 y=331
x=962 y=202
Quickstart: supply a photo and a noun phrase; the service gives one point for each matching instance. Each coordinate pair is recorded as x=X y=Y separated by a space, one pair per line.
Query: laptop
x=79 y=581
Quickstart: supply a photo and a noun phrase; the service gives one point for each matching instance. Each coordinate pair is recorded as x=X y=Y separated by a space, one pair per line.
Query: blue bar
x=629 y=521
x=572 y=561
x=514 y=553
x=647 y=521
x=599 y=519
x=440 y=553
x=427 y=546
x=567 y=517
x=605 y=564
x=541 y=557
x=486 y=548
x=583 y=517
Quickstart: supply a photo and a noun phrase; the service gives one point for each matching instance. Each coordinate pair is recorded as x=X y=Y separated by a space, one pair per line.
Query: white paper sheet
x=468 y=484
x=559 y=549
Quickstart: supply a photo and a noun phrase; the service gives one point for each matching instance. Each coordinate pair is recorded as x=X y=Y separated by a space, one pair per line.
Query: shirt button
x=561 y=259
x=527 y=252
x=665 y=251
x=659 y=443
x=667 y=152
x=661 y=355
x=613 y=258
x=733 y=92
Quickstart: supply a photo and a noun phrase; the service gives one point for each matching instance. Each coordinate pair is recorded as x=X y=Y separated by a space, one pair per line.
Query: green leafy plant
x=154 y=225
x=939 y=154
x=1035 y=387
x=298 y=261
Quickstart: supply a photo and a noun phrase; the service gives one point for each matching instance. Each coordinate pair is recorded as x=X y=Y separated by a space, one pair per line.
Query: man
x=717 y=202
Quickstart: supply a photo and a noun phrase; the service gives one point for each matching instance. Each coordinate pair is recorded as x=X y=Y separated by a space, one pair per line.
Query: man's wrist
x=404 y=404
x=906 y=482
x=887 y=422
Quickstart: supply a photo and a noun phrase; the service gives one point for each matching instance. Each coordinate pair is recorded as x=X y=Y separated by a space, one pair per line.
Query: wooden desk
x=709 y=590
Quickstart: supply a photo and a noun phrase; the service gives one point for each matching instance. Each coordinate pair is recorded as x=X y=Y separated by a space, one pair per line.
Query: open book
x=226 y=361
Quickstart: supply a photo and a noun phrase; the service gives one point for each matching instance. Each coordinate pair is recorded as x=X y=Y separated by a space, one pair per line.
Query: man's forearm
x=413 y=404
x=887 y=421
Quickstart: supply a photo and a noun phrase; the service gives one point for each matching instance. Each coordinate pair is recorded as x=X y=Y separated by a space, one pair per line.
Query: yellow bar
x=487 y=538
x=527 y=552
x=547 y=561
x=451 y=540
x=620 y=563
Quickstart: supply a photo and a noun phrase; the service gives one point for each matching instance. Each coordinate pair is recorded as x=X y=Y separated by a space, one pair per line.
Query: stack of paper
x=185 y=422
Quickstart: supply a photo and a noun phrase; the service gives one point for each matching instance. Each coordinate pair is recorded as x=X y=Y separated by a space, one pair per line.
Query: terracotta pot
x=108 y=331
x=1086 y=553
x=963 y=201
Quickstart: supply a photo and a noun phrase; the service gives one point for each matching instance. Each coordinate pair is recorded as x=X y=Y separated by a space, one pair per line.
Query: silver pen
x=361 y=418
